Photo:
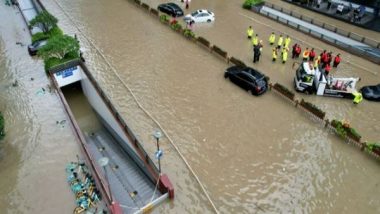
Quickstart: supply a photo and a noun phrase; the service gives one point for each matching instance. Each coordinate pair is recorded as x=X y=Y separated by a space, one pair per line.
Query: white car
x=200 y=16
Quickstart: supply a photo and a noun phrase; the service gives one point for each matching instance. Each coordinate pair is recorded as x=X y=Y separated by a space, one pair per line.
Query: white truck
x=311 y=80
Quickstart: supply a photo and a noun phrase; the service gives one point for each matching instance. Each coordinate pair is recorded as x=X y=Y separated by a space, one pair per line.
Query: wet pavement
x=253 y=154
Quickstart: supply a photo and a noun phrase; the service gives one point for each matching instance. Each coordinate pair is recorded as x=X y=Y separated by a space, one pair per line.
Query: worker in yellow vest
x=317 y=61
x=272 y=38
x=250 y=32
x=284 y=55
x=287 y=42
x=279 y=43
x=274 y=54
x=255 y=40
x=305 y=55
x=357 y=97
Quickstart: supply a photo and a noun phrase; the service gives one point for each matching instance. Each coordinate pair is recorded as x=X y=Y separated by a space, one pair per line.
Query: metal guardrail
x=352 y=49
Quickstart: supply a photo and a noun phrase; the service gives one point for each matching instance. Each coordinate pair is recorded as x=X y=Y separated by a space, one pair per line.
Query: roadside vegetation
x=248 y=4
x=60 y=48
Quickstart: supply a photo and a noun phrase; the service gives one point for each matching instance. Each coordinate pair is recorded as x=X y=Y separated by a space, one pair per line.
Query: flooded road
x=253 y=154
x=35 y=151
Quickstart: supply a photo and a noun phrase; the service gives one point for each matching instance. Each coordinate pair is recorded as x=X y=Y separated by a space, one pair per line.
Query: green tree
x=45 y=21
x=59 y=47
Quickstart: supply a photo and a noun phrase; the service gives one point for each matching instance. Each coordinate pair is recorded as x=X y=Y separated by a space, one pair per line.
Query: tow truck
x=312 y=80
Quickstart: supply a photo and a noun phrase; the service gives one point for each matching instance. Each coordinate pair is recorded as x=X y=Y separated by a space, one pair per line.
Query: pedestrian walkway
x=29 y=11
x=367 y=20
x=329 y=36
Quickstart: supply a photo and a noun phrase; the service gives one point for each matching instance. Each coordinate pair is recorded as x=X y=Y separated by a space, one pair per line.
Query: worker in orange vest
x=336 y=61
x=306 y=54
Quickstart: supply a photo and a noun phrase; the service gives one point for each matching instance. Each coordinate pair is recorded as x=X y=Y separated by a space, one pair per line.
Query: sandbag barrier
x=307 y=107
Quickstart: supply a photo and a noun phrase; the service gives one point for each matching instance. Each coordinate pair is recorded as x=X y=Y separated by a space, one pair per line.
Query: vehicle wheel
x=208 y=20
x=225 y=75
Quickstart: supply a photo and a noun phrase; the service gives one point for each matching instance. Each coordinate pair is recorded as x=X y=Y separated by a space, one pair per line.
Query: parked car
x=248 y=79
x=200 y=16
x=33 y=48
x=371 y=92
x=171 y=9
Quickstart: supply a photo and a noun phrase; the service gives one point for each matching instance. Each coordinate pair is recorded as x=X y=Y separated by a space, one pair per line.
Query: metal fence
x=368 y=41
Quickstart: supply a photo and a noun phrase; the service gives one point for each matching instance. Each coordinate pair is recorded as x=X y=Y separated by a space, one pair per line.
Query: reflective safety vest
x=317 y=61
x=272 y=38
x=274 y=54
x=284 y=56
x=255 y=40
x=250 y=32
x=287 y=42
x=280 y=40
x=306 y=54
x=357 y=97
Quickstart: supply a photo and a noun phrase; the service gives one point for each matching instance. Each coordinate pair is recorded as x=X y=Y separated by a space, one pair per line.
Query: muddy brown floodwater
x=253 y=154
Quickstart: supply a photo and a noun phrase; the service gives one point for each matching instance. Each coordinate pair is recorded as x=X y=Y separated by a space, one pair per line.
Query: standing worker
x=187 y=3
x=255 y=40
x=317 y=61
x=284 y=55
x=311 y=55
x=279 y=43
x=272 y=38
x=336 y=61
x=357 y=97
x=306 y=54
x=256 y=53
x=287 y=42
x=327 y=69
x=274 y=54
x=250 y=32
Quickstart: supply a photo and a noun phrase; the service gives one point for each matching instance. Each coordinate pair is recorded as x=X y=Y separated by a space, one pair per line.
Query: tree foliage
x=45 y=21
x=58 y=47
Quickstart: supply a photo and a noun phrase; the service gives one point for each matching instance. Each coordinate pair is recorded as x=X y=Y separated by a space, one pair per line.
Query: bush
x=189 y=33
x=249 y=3
x=344 y=130
x=176 y=26
x=164 y=18
x=2 y=125
x=52 y=62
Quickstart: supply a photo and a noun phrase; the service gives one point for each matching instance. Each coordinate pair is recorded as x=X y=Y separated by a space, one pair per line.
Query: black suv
x=171 y=9
x=248 y=79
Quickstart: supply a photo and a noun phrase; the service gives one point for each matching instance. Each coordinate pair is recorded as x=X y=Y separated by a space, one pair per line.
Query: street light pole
x=157 y=134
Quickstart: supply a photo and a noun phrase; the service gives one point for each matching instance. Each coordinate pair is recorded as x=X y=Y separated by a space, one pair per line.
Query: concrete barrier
x=154 y=11
x=237 y=62
x=219 y=51
x=203 y=41
x=145 y=6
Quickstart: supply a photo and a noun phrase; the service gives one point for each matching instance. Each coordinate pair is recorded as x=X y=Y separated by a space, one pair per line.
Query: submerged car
x=200 y=16
x=371 y=92
x=34 y=47
x=171 y=9
x=248 y=79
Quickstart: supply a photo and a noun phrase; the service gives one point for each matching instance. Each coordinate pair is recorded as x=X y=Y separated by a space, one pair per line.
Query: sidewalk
x=327 y=19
